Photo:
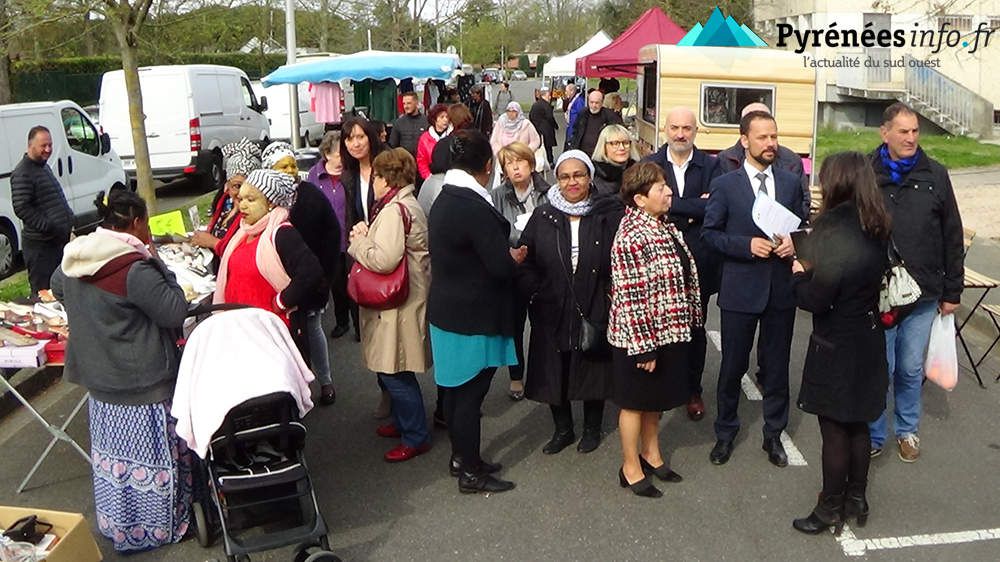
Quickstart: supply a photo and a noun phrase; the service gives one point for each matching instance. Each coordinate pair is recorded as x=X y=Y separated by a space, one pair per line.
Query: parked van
x=82 y=160
x=310 y=132
x=717 y=83
x=191 y=112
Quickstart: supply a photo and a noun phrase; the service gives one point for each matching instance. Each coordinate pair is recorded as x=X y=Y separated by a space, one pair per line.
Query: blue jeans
x=906 y=349
x=407 y=407
x=319 y=351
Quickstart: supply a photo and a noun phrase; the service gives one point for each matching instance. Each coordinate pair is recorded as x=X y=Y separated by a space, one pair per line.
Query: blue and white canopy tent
x=377 y=65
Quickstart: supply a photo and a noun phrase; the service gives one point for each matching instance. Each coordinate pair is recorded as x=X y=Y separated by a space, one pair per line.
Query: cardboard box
x=75 y=544
x=27 y=356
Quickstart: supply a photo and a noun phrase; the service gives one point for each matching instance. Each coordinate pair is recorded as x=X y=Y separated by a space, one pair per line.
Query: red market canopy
x=620 y=57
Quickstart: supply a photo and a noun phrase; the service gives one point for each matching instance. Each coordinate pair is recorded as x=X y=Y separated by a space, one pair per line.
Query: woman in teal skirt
x=470 y=307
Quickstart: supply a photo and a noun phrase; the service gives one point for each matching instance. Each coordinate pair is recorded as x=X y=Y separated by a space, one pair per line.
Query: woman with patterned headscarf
x=513 y=126
x=266 y=264
x=240 y=159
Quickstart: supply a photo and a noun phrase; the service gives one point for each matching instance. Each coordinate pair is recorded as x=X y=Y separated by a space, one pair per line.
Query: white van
x=82 y=160
x=191 y=112
x=277 y=112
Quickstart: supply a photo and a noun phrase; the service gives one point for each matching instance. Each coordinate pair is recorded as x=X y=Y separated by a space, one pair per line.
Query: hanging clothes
x=465 y=84
x=383 y=102
x=363 y=93
x=324 y=101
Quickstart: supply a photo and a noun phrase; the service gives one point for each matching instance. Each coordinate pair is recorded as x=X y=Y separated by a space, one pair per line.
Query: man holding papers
x=756 y=285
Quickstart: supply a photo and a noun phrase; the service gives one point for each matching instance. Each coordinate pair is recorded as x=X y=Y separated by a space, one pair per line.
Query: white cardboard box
x=27 y=356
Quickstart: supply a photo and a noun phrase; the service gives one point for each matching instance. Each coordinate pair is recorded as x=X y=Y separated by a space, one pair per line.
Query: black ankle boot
x=561 y=439
x=855 y=503
x=827 y=514
x=590 y=440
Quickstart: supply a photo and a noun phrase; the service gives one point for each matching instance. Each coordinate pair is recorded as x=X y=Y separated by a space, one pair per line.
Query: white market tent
x=566 y=64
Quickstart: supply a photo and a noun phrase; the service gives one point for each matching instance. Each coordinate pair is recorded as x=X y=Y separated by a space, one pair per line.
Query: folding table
x=975 y=280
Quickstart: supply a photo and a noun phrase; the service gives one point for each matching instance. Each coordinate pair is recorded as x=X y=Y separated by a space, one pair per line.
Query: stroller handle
x=207 y=307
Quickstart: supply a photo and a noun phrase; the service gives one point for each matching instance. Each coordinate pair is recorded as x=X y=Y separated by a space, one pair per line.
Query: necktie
x=762 y=188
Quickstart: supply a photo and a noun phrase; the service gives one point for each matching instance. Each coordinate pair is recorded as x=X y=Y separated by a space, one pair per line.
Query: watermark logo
x=721 y=31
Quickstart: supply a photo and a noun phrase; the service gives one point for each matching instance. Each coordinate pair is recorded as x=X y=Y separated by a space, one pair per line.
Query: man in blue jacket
x=689 y=172
x=574 y=108
x=756 y=285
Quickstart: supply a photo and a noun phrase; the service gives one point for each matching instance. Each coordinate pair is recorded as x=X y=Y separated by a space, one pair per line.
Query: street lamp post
x=293 y=89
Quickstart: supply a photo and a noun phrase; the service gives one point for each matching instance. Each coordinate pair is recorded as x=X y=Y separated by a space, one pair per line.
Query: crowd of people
x=612 y=265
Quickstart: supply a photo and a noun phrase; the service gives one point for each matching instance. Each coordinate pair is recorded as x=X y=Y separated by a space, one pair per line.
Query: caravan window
x=649 y=93
x=80 y=134
x=721 y=104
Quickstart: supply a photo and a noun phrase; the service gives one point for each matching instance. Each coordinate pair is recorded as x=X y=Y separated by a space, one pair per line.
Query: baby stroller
x=257 y=490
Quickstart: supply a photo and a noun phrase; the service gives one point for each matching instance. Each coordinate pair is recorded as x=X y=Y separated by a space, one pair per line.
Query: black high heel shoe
x=662 y=472
x=828 y=514
x=643 y=488
x=855 y=503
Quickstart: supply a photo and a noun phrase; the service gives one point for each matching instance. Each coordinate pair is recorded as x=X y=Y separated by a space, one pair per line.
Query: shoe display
x=826 y=515
x=516 y=392
x=402 y=453
x=662 y=472
x=476 y=483
x=696 y=407
x=643 y=488
x=327 y=395
x=909 y=448
x=721 y=452
x=590 y=440
x=388 y=430
x=775 y=452
x=560 y=440
x=339 y=330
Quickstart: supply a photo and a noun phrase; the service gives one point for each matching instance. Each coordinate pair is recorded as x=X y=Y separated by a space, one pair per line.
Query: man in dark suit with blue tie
x=756 y=285
x=689 y=172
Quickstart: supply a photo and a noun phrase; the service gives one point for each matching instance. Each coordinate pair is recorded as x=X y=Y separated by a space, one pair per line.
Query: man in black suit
x=756 y=285
x=689 y=172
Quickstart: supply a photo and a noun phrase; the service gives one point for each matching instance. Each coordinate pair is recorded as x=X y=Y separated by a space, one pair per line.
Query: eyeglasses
x=620 y=143
x=579 y=176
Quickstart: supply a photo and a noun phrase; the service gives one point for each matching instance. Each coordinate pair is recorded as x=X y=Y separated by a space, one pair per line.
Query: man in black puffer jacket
x=406 y=130
x=927 y=231
x=39 y=202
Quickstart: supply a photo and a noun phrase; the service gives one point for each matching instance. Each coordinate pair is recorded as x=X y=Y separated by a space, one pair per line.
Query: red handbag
x=381 y=291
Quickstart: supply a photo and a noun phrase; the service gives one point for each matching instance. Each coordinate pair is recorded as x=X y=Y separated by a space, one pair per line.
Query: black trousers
x=41 y=257
x=699 y=346
x=520 y=317
x=562 y=413
x=462 y=406
x=774 y=342
x=845 y=455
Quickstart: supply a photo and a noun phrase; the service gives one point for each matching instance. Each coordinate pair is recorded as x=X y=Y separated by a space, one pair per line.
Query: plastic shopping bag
x=941 y=365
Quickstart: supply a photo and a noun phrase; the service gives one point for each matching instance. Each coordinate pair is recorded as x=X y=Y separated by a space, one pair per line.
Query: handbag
x=899 y=292
x=590 y=337
x=381 y=291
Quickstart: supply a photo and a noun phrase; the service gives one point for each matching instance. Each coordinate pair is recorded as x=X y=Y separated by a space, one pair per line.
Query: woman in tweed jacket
x=655 y=303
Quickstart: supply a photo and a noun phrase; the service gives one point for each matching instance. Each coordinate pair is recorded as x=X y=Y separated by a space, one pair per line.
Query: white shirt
x=680 y=170
x=366 y=188
x=574 y=243
x=461 y=178
x=754 y=182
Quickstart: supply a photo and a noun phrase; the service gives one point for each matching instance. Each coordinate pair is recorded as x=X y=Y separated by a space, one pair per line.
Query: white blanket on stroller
x=230 y=358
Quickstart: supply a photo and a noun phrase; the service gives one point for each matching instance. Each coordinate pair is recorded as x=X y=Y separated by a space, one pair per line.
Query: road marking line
x=795 y=457
x=854 y=546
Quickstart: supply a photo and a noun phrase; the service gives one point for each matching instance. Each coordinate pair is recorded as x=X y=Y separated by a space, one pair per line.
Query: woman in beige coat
x=395 y=341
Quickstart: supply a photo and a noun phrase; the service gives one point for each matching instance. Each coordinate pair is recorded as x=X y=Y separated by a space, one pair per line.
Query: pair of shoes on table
x=401 y=452
x=695 y=407
x=327 y=394
x=643 y=488
x=516 y=391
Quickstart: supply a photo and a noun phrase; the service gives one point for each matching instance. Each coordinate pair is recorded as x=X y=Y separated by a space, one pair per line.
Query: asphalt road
x=569 y=506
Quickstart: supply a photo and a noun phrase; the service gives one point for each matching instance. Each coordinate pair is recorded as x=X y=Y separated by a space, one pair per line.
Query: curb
x=29 y=383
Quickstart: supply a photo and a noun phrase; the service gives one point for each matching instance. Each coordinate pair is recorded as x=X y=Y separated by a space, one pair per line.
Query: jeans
x=319 y=352
x=906 y=348
x=407 y=407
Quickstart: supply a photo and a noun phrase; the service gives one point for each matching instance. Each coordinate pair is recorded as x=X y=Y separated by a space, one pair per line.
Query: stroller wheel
x=201 y=525
x=322 y=556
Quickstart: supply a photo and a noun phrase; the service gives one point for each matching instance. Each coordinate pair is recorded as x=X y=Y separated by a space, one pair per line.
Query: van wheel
x=8 y=251
x=215 y=176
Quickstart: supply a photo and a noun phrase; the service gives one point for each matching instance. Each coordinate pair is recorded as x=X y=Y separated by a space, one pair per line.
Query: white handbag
x=898 y=286
x=541 y=160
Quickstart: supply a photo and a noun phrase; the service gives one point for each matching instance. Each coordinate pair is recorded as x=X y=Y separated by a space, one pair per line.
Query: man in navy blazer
x=756 y=285
x=689 y=171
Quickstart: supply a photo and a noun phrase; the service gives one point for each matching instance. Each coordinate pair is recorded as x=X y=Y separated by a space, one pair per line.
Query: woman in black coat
x=567 y=277
x=838 y=274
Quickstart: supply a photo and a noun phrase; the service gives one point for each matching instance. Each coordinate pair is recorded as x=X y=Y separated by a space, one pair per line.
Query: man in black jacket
x=408 y=127
x=40 y=203
x=927 y=231
x=541 y=116
x=689 y=171
x=588 y=125
x=482 y=115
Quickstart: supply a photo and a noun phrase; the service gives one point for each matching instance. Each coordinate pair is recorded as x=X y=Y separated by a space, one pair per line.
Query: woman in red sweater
x=440 y=128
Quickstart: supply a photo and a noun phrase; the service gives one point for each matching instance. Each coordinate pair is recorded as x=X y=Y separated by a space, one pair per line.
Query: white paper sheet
x=772 y=217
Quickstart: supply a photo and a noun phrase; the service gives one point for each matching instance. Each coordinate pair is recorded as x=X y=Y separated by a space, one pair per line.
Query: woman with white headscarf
x=241 y=158
x=513 y=126
x=267 y=264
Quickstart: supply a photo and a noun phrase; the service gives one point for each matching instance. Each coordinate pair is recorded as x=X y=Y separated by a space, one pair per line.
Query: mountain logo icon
x=721 y=31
